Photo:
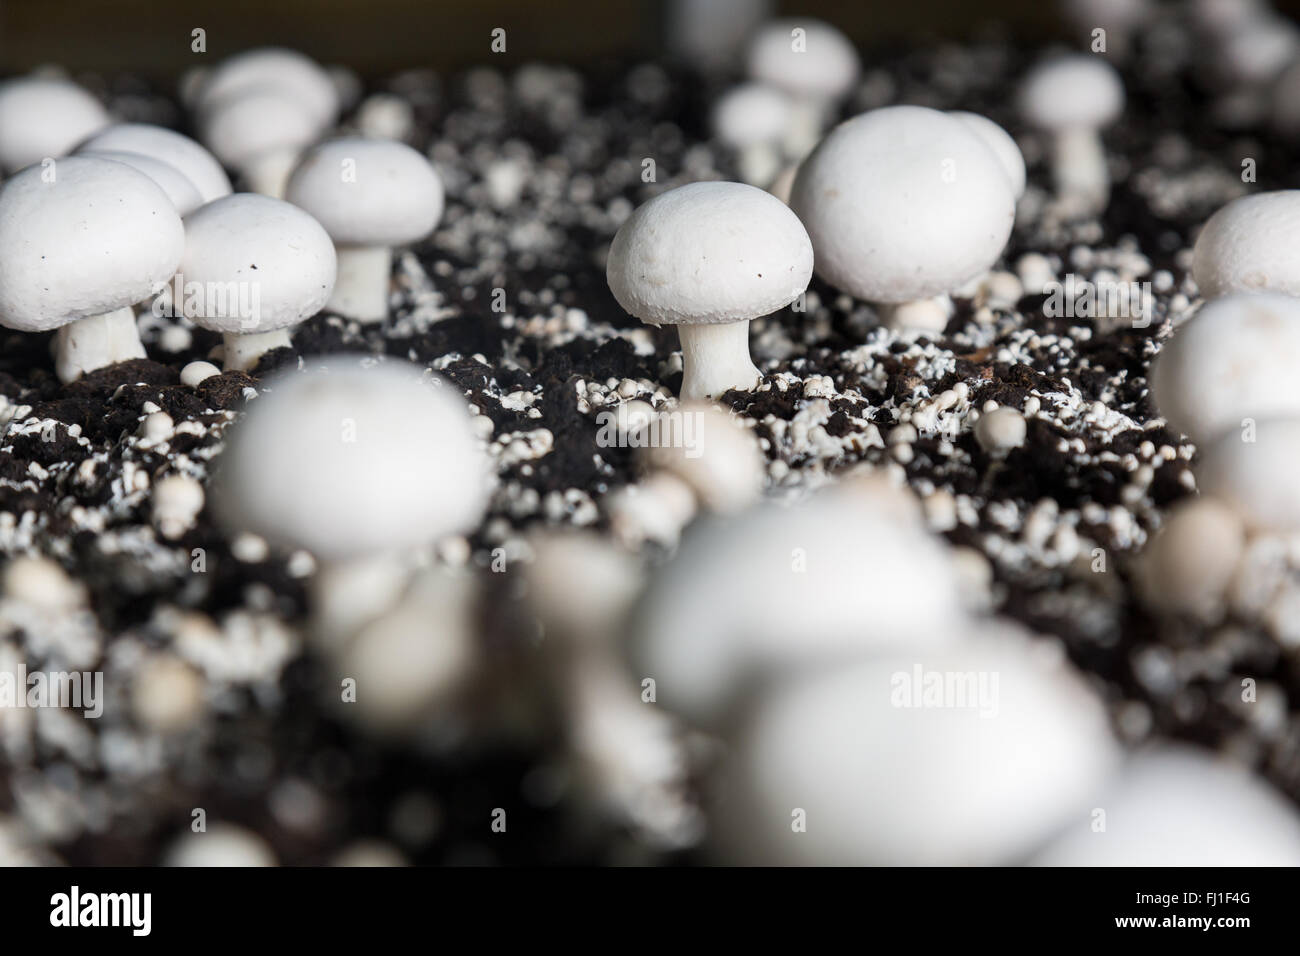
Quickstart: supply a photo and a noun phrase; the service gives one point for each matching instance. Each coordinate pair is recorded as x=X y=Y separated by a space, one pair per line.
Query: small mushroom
x=370 y=195
x=261 y=265
x=1246 y=246
x=752 y=119
x=1253 y=469
x=904 y=204
x=44 y=119
x=1073 y=98
x=78 y=249
x=1188 y=566
x=285 y=71
x=197 y=165
x=709 y=257
x=1000 y=142
x=183 y=193
x=359 y=466
x=262 y=135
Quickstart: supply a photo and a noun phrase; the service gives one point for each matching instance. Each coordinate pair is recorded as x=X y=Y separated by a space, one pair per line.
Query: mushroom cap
x=352 y=461
x=1257 y=478
x=1234 y=359
x=183 y=193
x=1248 y=246
x=1255 y=51
x=827 y=67
x=1183 y=806
x=888 y=779
x=100 y=237
x=1076 y=91
x=42 y=117
x=1000 y=142
x=199 y=166
x=751 y=114
x=392 y=196
x=903 y=203
x=709 y=253
x=281 y=251
x=271 y=69
x=240 y=128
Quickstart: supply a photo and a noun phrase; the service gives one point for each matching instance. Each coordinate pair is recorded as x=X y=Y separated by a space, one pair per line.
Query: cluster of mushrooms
x=778 y=630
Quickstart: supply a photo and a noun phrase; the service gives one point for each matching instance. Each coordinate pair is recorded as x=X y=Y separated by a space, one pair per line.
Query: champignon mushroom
x=708 y=258
x=904 y=204
x=1073 y=98
x=1254 y=471
x=752 y=119
x=359 y=466
x=1247 y=246
x=44 y=118
x=277 y=69
x=1000 y=142
x=1189 y=563
x=80 y=244
x=1233 y=360
x=259 y=266
x=198 y=165
x=370 y=195
x=260 y=134
x=183 y=193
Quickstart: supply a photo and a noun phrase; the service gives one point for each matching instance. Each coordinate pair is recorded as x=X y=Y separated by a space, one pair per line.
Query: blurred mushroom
x=44 y=119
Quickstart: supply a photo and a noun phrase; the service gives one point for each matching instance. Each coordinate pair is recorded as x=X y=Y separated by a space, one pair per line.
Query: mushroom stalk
x=95 y=342
x=348 y=595
x=1079 y=167
x=244 y=350
x=268 y=173
x=809 y=117
x=361 y=289
x=715 y=358
x=759 y=164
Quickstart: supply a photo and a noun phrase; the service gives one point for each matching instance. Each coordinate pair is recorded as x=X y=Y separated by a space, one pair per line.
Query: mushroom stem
x=715 y=358
x=808 y=119
x=759 y=164
x=361 y=287
x=348 y=595
x=1079 y=168
x=244 y=350
x=268 y=173
x=95 y=342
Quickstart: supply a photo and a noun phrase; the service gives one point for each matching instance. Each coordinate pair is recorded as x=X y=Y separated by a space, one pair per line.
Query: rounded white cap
x=1078 y=91
x=368 y=192
x=1189 y=564
x=221 y=844
x=239 y=129
x=100 y=237
x=903 y=203
x=1235 y=358
x=199 y=166
x=350 y=461
x=1249 y=246
x=42 y=118
x=273 y=69
x=281 y=252
x=1258 y=477
x=1000 y=142
x=821 y=63
x=183 y=193
x=709 y=252
x=751 y=114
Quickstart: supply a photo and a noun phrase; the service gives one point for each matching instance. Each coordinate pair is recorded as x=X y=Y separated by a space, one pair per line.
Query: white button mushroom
x=285 y=71
x=1000 y=142
x=44 y=118
x=1187 y=567
x=1000 y=430
x=1181 y=806
x=752 y=119
x=177 y=501
x=370 y=195
x=183 y=193
x=1234 y=359
x=221 y=844
x=198 y=165
x=710 y=451
x=708 y=257
x=1073 y=98
x=261 y=134
x=80 y=244
x=1254 y=470
x=904 y=204
x=262 y=265
x=356 y=465
x=812 y=61
x=1247 y=246
x=1120 y=19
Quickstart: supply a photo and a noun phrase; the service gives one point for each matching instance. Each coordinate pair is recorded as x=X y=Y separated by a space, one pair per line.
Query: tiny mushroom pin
x=261 y=265
x=80 y=244
x=1073 y=98
x=370 y=195
x=175 y=149
x=43 y=118
x=1247 y=246
x=904 y=204
x=707 y=258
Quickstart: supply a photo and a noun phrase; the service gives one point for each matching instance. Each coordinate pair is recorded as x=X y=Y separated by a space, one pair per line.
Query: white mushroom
x=262 y=135
x=1189 y=564
x=1000 y=142
x=752 y=119
x=198 y=165
x=370 y=195
x=80 y=244
x=358 y=466
x=1253 y=469
x=1246 y=246
x=904 y=204
x=1233 y=360
x=1120 y=19
x=44 y=119
x=285 y=71
x=1073 y=98
x=708 y=257
x=221 y=844
x=261 y=266
x=709 y=450
x=183 y=193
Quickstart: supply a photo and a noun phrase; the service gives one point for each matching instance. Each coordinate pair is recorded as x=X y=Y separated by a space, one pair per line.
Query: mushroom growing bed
x=1046 y=505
